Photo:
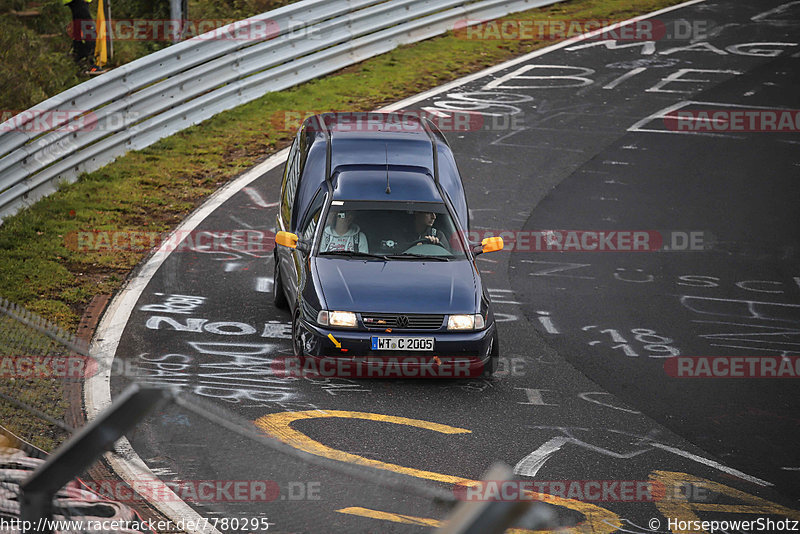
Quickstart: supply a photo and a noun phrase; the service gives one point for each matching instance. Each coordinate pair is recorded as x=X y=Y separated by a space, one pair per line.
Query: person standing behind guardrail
x=83 y=32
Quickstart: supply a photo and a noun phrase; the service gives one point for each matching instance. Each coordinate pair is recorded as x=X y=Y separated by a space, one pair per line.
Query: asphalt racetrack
x=574 y=144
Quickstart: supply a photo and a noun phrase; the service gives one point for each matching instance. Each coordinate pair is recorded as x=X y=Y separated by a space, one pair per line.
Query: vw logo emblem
x=402 y=322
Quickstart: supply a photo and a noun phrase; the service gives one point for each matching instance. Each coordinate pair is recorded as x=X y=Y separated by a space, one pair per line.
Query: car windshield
x=396 y=230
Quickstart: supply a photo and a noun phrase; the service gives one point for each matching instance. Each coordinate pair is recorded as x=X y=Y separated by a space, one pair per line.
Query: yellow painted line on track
x=278 y=425
x=702 y=507
x=676 y=506
x=394 y=518
x=427 y=522
x=598 y=520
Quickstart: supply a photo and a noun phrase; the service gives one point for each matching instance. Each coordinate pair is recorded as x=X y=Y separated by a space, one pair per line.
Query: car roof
x=369 y=182
x=338 y=144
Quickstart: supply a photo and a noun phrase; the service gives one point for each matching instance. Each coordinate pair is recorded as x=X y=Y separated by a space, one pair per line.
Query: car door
x=287 y=258
x=308 y=230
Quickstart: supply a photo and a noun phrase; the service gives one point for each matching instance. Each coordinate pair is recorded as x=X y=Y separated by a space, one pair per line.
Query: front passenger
x=342 y=234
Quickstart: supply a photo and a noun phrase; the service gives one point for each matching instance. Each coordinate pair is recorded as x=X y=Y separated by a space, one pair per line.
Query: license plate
x=402 y=343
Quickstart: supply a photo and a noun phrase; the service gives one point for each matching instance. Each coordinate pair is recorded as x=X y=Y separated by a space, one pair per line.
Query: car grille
x=401 y=321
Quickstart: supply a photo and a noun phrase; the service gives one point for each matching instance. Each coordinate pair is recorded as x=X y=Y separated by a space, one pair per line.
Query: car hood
x=398 y=286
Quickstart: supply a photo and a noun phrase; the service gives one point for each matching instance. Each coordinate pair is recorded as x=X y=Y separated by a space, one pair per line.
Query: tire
x=491 y=364
x=278 y=294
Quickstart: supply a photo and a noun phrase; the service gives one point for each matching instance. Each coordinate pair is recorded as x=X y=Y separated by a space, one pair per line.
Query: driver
x=341 y=233
x=424 y=230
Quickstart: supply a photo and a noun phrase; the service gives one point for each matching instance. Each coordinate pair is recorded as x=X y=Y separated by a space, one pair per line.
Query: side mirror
x=290 y=240
x=490 y=244
x=286 y=239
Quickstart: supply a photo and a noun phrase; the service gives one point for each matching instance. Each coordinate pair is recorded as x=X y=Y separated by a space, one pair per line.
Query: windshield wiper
x=408 y=255
x=351 y=254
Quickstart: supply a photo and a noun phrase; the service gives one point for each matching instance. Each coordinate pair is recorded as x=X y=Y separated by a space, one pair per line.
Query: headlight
x=336 y=318
x=465 y=322
x=341 y=318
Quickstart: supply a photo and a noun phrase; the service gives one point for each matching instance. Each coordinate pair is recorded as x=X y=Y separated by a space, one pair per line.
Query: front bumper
x=454 y=355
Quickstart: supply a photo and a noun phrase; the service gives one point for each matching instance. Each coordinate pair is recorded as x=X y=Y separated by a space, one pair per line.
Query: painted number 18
x=658 y=346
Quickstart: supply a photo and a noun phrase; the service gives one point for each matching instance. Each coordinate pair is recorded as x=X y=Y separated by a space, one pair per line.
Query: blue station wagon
x=373 y=259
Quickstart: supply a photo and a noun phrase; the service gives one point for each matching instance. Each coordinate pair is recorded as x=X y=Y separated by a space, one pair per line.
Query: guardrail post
x=79 y=452
x=177 y=14
x=494 y=517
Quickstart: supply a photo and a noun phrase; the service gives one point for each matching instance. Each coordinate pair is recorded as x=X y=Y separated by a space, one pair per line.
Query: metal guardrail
x=158 y=95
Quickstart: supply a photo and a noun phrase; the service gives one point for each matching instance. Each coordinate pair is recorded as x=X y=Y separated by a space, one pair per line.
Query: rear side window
x=291 y=177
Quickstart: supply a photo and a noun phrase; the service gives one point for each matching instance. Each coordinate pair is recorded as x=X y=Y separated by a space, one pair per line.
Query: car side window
x=311 y=219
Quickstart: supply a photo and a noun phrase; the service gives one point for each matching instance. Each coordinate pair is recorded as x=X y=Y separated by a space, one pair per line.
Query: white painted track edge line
x=97 y=392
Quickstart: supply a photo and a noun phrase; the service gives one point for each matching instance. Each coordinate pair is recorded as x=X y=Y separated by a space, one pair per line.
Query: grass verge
x=155 y=188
